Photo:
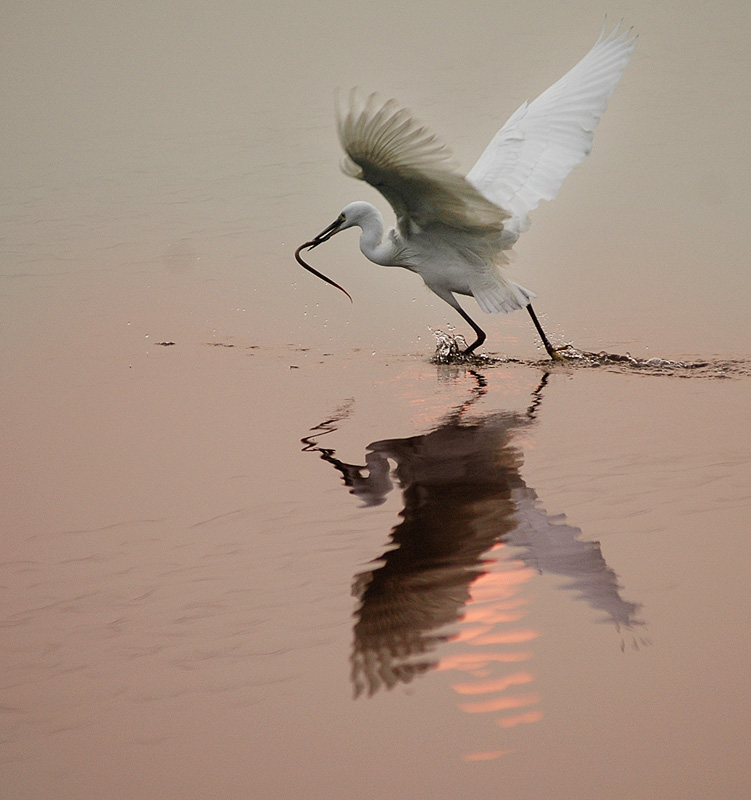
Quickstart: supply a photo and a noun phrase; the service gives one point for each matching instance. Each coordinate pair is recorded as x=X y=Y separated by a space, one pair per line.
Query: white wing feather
x=532 y=154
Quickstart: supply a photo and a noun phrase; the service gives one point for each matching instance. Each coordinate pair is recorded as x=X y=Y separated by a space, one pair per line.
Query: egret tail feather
x=502 y=297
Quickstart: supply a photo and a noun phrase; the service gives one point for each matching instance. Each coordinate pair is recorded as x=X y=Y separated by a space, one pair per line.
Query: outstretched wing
x=389 y=149
x=530 y=156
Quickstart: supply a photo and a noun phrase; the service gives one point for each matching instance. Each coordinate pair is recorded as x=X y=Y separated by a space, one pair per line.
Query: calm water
x=256 y=545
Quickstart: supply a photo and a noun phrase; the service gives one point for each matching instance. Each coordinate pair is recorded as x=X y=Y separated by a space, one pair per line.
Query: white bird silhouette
x=452 y=230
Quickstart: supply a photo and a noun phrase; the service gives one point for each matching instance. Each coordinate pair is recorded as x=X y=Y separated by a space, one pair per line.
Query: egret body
x=455 y=231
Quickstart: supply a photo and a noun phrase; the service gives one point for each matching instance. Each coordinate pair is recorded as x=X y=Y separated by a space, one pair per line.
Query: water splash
x=450 y=347
x=450 y=350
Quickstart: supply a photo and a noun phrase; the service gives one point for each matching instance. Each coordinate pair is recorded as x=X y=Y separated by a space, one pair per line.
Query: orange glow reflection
x=519 y=719
x=489 y=635
x=497 y=685
x=489 y=755
x=510 y=637
x=476 y=662
x=500 y=703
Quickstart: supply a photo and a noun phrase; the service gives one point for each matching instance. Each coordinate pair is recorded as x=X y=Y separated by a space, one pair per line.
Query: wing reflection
x=472 y=533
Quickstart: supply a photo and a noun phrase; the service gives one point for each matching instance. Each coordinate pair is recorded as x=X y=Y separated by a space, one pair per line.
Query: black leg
x=552 y=352
x=475 y=327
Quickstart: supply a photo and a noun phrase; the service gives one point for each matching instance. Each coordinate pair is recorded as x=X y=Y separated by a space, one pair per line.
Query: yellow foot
x=556 y=355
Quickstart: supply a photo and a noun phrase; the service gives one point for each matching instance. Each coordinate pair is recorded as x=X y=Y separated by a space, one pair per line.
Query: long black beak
x=326 y=233
x=322 y=237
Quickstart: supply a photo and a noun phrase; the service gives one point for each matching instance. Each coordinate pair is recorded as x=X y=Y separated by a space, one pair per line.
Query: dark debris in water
x=450 y=350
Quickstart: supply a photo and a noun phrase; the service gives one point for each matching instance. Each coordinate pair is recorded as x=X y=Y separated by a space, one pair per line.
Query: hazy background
x=201 y=136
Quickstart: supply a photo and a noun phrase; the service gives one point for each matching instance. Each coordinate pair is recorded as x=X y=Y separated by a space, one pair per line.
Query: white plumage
x=529 y=157
x=452 y=230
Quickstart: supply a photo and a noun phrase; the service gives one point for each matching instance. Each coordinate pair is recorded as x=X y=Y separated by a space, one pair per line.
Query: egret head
x=351 y=215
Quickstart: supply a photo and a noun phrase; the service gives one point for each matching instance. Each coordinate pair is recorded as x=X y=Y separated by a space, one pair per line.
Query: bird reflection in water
x=471 y=535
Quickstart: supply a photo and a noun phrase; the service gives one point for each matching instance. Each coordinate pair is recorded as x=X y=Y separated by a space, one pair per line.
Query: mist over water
x=263 y=542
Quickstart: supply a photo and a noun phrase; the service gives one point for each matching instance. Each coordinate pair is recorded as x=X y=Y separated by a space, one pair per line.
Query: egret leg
x=552 y=352
x=454 y=303
x=475 y=327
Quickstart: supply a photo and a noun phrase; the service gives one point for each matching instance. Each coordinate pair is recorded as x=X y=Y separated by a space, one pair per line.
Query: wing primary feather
x=531 y=155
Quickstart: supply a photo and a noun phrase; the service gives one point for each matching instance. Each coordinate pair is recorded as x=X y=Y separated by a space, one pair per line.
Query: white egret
x=452 y=230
